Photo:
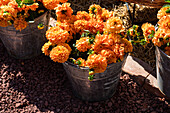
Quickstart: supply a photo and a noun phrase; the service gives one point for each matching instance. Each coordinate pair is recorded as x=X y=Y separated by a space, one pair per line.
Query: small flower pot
x=101 y=88
x=163 y=71
x=27 y=43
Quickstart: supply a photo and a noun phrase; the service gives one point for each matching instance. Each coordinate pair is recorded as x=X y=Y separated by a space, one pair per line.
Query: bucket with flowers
x=159 y=35
x=23 y=24
x=92 y=47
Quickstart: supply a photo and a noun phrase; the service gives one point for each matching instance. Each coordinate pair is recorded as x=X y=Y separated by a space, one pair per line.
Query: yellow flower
x=59 y=54
x=97 y=62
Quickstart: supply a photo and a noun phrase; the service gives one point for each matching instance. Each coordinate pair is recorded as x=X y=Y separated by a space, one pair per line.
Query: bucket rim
x=162 y=52
x=87 y=68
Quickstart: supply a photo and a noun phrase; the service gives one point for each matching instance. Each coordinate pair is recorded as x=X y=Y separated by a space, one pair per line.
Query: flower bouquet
x=91 y=46
x=22 y=25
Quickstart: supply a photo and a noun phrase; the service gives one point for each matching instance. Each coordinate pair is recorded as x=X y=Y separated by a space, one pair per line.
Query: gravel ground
x=40 y=85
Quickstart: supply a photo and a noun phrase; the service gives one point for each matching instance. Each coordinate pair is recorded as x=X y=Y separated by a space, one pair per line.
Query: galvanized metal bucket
x=27 y=43
x=101 y=88
x=163 y=71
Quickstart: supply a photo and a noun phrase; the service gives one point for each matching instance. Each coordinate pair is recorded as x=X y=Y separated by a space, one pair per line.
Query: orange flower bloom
x=94 y=26
x=83 y=62
x=4 y=23
x=164 y=22
x=113 y=25
x=4 y=2
x=59 y=54
x=97 y=62
x=20 y=23
x=127 y=45
x=57 y=35
x=105 y=15
x=102 y=42
x=80 y=25
x=32 y=7
x=109 y=54
x=167 y=50
x=83 y=15
x=46 y=47
x=147 y=29
x=83 y=44
x=158 y=39
x=63 y=11
x=162 y=12
x=66 y=46
x=95 y=9
x=51 y=4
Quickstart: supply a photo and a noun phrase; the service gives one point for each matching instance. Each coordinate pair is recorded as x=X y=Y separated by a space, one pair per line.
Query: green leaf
x=168 y=44
x=128 y=32
x=91 y=77
x=78 y=62
x=98 y=32
x=168 y=10
x=28 y=2
x=18 y=1
x=166 y=5
x=167 y=1
x=91 y=40
x=90 y=52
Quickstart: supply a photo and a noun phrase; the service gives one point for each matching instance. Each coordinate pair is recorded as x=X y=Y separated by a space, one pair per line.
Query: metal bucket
x=101 y=88
x=163 y=71
x=27 y=43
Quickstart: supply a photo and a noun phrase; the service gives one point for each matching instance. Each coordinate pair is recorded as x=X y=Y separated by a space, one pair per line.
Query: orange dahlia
x=51 y=4
x=95 y=9
x=82 y=15
x=164 y=22
x=162 y=12
x=109 y=54
x=113 y=25
x=59 y=54
x=102 y=42
x=20 y=23
x=80 y=25
x=80 y=62
x=57 y=35
x=4 y=2
x=66 y=46
x=83 y=44
x=97 y=62
x=94 y=26
x=147 y=29
x=158 y=39
x=167 y=50
x=46 y=48
x=63 y=11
